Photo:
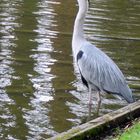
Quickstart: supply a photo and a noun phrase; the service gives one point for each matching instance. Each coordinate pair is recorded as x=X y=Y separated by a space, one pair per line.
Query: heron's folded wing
x=97 y=68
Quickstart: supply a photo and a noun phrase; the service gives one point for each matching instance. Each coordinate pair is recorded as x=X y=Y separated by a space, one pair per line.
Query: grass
x=131 y=133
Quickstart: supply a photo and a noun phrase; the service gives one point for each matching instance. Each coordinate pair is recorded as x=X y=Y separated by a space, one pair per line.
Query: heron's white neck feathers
x=78 y=32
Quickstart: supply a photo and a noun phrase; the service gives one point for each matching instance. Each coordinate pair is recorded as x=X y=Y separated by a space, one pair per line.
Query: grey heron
x=98 y=71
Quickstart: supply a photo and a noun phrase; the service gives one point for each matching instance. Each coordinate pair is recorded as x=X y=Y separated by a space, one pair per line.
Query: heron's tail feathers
x=126 y=93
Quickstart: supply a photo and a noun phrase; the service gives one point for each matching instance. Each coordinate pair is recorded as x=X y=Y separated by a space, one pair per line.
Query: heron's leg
x=90 y=96
x=99 y=102
x=90 y=103
x=89 y=112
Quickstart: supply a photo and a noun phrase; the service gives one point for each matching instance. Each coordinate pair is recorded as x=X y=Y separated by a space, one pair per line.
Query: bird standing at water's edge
x=98 y=72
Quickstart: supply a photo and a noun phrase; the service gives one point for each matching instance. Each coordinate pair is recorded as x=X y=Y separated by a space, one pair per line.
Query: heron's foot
x=98 y=110
x=98 y=103
x=90 y=101
x=89 y=111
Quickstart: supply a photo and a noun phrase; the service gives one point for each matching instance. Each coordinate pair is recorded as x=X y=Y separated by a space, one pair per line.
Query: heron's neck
x=78 y=32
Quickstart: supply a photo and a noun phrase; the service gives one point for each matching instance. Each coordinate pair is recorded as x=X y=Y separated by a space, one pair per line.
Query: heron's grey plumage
x=101 y=72
x=97 y=70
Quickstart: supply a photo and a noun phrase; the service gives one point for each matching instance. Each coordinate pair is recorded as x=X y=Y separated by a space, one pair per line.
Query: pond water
x=40 y=94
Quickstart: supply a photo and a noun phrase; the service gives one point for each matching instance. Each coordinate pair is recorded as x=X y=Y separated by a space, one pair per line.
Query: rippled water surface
x=40 y=94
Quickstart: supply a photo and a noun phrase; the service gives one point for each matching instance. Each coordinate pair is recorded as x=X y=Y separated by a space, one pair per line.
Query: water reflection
x=62 y=69
x=38 y=119
x=8 y=17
